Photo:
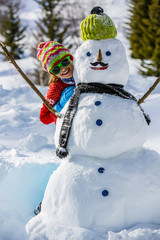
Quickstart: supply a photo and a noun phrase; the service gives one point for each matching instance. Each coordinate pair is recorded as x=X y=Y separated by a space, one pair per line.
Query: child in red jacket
x=58 y=62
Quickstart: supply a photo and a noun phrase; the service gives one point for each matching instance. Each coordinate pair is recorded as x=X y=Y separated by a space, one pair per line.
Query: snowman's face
x=102 y=61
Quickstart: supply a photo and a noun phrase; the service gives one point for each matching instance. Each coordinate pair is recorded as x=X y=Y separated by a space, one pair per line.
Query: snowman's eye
x=108 y=53
x=88 y=54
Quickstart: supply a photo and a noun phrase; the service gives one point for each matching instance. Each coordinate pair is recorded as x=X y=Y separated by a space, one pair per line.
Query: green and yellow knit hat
x=97 y=26
x=51 y=53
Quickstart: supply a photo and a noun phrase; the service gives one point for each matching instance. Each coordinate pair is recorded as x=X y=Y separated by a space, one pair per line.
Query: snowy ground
x=27 y=151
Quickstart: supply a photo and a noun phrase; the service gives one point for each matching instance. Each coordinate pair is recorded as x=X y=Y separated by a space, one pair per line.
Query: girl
x=58 y=62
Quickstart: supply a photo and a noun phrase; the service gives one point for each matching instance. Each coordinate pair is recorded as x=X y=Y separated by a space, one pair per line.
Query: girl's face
x=66 y=72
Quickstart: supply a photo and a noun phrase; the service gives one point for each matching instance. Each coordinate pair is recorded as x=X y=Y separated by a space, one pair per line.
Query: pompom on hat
x=51 y=53
x=97 y=26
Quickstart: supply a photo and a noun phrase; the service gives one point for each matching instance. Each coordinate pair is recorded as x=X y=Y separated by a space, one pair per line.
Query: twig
x=11 y=59
x=141 y=100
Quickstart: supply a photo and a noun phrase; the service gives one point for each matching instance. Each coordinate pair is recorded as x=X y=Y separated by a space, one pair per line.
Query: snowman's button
x=99 y=122
x=101 y=170
x=97 y=103
x=105 y=193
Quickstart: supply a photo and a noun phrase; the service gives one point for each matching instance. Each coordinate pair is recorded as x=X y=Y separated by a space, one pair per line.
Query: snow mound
x=138 y=232
x=34 y=142
x=21 y=190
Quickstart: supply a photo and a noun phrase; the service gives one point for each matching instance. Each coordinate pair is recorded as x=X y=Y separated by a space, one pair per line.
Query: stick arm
x=141 y=100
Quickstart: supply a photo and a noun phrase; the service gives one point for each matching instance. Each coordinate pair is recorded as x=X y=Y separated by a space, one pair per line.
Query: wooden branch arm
x=141 y=100
x=28 y=81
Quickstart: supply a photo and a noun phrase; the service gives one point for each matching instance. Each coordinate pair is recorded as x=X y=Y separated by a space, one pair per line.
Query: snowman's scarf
x=112 y=89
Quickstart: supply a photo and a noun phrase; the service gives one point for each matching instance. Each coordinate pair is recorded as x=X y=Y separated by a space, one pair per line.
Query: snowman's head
x=102 y=61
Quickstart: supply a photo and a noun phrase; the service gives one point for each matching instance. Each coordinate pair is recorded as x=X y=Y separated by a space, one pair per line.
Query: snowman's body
x=105 y=126
x=101 y=185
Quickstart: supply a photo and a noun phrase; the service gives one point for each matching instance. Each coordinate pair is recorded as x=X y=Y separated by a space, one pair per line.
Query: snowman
x=107 y=120
x=107 y=181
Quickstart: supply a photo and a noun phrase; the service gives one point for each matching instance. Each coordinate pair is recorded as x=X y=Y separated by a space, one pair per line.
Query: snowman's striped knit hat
x=51 y=53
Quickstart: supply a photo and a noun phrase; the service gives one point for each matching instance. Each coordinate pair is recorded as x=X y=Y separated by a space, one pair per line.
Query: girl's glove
x=66 y=94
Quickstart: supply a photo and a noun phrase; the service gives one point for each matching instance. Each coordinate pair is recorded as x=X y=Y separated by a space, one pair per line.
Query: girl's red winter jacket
x=53 y=96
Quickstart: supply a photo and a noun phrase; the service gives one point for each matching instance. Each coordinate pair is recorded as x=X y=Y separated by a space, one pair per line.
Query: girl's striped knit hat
x=51 y=53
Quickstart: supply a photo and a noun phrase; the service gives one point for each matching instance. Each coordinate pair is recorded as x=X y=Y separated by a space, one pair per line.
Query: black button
x=105 y=193
x=101 y=170
x=97 y=103
x=99 y=122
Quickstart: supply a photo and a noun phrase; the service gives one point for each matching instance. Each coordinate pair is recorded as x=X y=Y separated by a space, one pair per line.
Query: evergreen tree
x=74 y=12
x=59 y=21
x=154 y=35
x=137 y=26
x=50 y=27
x=11 y=29
x=143 y=34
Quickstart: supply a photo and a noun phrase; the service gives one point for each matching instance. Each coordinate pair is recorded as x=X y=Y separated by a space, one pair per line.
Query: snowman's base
x=59 y=232
x=77 y=207
x=56 y=232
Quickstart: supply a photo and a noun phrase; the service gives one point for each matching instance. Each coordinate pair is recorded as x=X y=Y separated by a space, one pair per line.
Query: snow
x=27 y=159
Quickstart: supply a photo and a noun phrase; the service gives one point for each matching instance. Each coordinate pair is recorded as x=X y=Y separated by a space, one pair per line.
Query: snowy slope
x=27 y=151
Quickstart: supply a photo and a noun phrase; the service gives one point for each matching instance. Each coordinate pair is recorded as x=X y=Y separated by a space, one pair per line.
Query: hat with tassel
x=51 y=53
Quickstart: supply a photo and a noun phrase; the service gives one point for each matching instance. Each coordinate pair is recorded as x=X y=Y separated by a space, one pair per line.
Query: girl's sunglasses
x=64 y=63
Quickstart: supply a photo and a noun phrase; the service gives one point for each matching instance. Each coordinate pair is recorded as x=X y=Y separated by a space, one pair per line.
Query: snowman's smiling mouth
x=99 y=68
x=103 y=66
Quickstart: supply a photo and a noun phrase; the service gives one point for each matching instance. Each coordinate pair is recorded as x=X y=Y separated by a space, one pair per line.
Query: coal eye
x=108 y=53
x=88 y=54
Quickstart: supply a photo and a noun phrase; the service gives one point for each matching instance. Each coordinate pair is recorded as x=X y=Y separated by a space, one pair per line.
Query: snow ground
x=27 y=152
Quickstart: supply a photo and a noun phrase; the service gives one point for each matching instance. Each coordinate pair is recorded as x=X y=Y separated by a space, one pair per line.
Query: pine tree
x=137 y=26
x=11 y=29
x=50 y=24
x=59 y=21
x=50 y=27
x=74 y=12
x=154 y=34
x=144 y=26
